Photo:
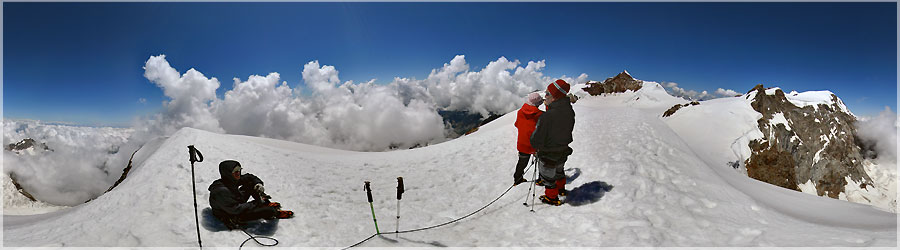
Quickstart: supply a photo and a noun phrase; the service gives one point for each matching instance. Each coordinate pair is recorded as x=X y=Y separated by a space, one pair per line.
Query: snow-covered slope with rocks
x=634 y=181
x=65 y=165
x=722 y=130
x=16 y=203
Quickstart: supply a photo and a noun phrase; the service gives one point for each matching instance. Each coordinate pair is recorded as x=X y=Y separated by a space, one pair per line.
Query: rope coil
x=254 y=238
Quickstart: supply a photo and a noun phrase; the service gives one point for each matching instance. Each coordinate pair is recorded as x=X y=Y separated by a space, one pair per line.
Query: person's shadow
x=588 y=193
x=255 y=227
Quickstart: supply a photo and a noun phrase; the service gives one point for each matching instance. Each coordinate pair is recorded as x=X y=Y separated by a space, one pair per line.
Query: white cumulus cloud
x=698 y=95
x=349 y=115
x=83 y=162
x=726 y=92
x=189 y=94
x=497 y=88
x=882 y=131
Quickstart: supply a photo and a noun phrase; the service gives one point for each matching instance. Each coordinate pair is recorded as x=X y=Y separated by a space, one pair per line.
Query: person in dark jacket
x=526 y=119
x=551 y=140
x=228 y=197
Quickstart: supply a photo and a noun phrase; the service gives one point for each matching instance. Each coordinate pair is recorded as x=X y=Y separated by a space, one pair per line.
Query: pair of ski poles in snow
x=533 y=183
x=400 y=190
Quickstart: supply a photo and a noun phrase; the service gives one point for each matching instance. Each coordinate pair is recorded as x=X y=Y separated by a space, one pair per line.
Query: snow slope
x=720 y=130
x=634 y=182
x=15 y=203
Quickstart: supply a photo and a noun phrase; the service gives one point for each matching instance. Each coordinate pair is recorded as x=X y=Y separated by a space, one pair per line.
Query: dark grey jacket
x=553 y=134
x=227 y=196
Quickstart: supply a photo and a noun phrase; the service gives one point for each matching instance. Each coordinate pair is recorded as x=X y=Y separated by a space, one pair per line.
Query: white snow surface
x=15 y=203
x=884 y=193
x=778 y=118
x=809 y=187
x=806 y=98
x=663 y=192
x=719 y=131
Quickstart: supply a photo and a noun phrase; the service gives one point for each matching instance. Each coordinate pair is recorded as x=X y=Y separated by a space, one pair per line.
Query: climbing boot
x=285 y=214
x=550 y=201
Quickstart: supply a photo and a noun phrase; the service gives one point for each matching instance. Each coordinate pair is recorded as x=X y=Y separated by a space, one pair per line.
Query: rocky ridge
x=671 y=111
x=805 y=143
x=617 y=84
x=26 y=144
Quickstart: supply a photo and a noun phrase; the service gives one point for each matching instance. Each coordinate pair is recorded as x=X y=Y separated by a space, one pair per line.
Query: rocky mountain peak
x=813 y=142
x=617 y=84
x=25 y=144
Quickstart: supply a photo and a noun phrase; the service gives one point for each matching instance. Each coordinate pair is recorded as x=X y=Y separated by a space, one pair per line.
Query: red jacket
x=526 y=121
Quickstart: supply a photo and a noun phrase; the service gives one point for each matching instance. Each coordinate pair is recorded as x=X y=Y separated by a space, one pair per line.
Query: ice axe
x=194 y=154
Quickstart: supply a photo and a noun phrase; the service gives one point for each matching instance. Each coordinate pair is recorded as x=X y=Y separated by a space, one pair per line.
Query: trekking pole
x=399 y=196
x=534 y=181
x=525 y=203
x=369 y=194
x=194 y=153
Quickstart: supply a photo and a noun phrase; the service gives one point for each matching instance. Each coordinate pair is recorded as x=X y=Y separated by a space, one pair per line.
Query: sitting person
x=228 y=197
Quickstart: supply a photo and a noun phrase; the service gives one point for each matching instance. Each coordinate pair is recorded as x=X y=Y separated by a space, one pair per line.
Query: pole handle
x=400 y=188
x=194 y=153
x=368 y=191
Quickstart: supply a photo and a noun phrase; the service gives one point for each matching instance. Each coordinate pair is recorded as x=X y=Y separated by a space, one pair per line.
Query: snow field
x=635 y=182
x=719 y=130
x=16 y=203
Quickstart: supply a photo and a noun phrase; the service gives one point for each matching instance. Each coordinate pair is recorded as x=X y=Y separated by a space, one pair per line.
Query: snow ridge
x=640 y=182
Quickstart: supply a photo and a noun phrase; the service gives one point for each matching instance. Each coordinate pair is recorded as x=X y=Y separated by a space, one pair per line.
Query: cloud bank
x=83 y=163
x=348 y=115
x=357 y=116
x=881 y=131
x=694 y=95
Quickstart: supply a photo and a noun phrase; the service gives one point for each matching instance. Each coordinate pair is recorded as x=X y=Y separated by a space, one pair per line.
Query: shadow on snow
x=255 y=227
x=588 y=193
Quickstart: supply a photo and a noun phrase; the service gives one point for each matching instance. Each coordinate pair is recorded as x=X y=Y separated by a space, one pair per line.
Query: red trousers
x=553 y=193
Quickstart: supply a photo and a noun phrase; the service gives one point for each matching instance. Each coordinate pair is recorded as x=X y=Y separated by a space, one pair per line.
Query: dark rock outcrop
x=819 y=144
x=671 y=111
x=26 y=144
x=463 y=122
x=124 y=173
x=617 y=84
x=12 y=176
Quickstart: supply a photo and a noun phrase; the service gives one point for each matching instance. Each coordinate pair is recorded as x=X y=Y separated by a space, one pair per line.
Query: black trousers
x=258 y=213
x=520 y=166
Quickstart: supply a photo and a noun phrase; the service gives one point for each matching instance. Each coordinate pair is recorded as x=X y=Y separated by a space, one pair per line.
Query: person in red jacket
x=526 y=121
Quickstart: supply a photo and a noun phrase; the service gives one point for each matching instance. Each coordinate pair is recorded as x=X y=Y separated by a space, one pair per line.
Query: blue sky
x=82 y=62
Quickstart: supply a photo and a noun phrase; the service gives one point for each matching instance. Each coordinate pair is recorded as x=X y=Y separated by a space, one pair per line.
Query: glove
x=259 y=188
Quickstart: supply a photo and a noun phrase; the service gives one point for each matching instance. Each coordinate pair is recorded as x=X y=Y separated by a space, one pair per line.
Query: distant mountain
x=460 y=123
x=800 y=141
x=617 y=84
x=808 y=138
x=27 y=145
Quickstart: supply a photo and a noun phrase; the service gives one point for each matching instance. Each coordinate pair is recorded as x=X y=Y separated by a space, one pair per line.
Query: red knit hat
x=558 y=89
